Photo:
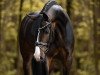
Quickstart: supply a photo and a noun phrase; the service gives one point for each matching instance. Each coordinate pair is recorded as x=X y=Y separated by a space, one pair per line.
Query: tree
x=19 y=62
x=96 y=36
x=69 y=6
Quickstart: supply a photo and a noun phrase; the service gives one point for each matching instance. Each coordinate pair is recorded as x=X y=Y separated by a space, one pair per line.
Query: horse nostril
x=36 y=43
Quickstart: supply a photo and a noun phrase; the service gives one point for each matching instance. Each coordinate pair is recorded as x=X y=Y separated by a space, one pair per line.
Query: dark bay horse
x=46 y=41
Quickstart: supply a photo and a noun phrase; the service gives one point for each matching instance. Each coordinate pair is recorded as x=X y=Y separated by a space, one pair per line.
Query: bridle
x=42 y=44
x=38 y=43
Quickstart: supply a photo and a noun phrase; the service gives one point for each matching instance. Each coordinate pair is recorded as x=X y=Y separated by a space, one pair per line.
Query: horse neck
x=48 y=5
x=58 y=36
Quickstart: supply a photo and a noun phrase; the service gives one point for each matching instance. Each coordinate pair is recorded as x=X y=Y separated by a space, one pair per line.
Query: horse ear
x=45 y=16
x=33 y=17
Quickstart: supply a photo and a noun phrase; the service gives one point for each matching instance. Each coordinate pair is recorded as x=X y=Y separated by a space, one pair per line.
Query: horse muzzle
x=37 y=53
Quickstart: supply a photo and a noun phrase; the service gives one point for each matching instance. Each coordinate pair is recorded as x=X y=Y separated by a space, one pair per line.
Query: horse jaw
x=37 y=53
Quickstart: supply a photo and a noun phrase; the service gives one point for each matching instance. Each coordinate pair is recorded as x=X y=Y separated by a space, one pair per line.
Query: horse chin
x=37 y=53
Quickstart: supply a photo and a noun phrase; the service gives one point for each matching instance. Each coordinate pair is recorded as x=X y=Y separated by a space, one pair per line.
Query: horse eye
x=47 y=30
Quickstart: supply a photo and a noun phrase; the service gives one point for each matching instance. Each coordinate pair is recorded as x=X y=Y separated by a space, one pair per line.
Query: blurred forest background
x=85 y=16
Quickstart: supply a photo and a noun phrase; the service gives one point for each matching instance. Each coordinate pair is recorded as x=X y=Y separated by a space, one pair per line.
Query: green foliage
x=35 y=6
x=83 y=22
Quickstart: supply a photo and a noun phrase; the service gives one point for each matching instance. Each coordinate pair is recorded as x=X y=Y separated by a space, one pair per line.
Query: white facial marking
x=37 y=50
x=37 y=53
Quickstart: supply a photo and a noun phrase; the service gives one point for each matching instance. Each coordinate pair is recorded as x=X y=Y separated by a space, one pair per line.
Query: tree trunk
x=96 y=36
x=69 y=9
x=69 y=6
x=19 y=60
